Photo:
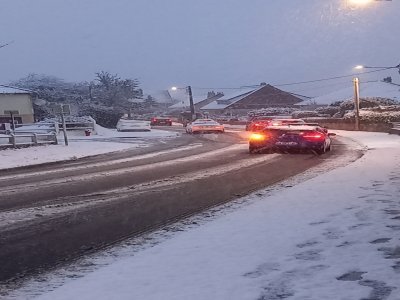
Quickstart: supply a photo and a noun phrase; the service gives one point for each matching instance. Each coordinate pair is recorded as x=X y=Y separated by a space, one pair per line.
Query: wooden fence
x=26 y=140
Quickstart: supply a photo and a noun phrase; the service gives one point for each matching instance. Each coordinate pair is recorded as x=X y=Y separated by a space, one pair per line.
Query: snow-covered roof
x=9 y=90
x=230 y=99
x=375 y=89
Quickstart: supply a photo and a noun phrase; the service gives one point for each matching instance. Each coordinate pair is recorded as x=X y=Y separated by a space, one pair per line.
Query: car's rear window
x=283 y=131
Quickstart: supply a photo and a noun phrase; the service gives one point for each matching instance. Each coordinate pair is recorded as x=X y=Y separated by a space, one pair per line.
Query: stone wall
x=348 y=124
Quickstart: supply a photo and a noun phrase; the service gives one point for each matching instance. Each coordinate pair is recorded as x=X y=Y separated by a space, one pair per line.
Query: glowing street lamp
x=360 y=67
x=360 y=3
x=189 y=90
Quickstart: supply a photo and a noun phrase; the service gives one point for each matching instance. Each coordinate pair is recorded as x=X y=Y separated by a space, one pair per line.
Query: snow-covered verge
x=104 y=141
x=375 y=116
x=335 y=236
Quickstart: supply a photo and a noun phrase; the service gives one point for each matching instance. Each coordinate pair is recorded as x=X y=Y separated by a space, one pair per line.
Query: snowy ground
x=104 y=141
x=334 y=236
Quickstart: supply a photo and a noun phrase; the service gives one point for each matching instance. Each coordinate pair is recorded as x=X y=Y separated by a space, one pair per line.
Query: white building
x=17 y=101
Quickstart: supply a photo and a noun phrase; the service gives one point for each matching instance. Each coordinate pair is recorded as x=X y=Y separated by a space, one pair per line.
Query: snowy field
x=104 y=141
x=334 y=236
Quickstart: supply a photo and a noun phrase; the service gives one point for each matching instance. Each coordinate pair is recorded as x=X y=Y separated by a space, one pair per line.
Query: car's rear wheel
x=321 y=151
x=253 y=150
x=269 y=151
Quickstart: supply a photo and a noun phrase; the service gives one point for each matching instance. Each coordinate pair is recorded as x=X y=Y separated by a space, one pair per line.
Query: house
x=17 y=101
x=368 y=90
x=248 y=99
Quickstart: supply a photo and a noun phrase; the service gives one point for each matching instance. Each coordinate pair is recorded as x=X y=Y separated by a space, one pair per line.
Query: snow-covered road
x=334 y=236
x=106 y=141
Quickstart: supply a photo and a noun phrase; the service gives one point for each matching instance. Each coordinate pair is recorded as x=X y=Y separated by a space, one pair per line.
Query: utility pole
x=356 y=82
x=189 y=88
x=62 y=110
x=64 y=128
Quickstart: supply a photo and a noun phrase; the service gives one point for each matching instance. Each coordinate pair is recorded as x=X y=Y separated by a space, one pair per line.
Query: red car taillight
x=313 y=136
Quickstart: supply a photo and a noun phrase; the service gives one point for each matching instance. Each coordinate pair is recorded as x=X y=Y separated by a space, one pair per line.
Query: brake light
x=313 y=136
x=258 y=137
x=154 y=119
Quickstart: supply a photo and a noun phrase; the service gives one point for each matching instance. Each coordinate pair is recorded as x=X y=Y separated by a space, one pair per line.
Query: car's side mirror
x=331 y=134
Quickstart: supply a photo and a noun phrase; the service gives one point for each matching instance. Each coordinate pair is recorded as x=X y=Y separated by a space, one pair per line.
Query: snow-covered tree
x=112 y=91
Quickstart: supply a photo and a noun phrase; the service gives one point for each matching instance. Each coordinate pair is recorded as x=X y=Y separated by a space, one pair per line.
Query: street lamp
x=360 y=2
x=360 y=67
x=189 y=90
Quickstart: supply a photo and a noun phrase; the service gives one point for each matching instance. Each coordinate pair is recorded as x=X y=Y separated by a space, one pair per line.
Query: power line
x=331 y=78
x=2 y=46
x=293 y=83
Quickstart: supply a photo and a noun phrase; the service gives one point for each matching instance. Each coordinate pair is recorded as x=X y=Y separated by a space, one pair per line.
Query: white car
x=204 y=126
x=133 y=125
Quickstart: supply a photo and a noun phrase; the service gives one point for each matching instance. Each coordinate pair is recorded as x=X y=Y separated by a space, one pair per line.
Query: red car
x=261 y=122
x=258 y=123
x=159 y=121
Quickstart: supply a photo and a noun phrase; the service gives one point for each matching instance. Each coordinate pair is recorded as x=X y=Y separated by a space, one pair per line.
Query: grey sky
x=207 y=43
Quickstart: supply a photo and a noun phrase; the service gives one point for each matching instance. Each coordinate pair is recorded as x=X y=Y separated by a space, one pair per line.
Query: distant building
x=248 y=99
x=16 y=100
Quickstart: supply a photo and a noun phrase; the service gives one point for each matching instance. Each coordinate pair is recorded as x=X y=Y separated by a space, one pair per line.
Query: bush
x=328 y=110
x=304 y=114
x=370 y=116
x=271 y=111
x=104 y=117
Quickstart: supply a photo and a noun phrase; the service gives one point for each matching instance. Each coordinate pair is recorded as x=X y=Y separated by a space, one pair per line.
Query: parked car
x=133 y=125
x=204 y=126
x=259 y=123
x=316 y=125
x=285 y=122
x=159 y=121
x=286 y=138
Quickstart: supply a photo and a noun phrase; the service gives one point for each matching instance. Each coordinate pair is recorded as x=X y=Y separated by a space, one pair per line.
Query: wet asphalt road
x=51 y=214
